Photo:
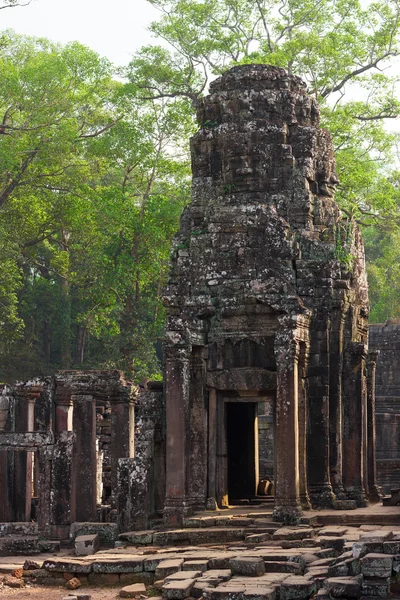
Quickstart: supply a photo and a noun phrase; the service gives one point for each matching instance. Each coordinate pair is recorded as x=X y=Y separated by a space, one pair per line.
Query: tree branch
x=371 y=65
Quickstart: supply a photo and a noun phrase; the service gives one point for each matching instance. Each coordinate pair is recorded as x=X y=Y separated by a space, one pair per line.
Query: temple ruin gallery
x=267 y=370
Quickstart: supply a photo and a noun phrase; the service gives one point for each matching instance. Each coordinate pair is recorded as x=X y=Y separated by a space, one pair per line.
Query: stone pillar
x=84 y=426
x=319 y=485
x=354 y=415
x=212 y=450
x=62 y=470
x=373 y=490
x=335 y=402
x=287 y=491
x=6 y=458
x=43 y=464
x=177 y=377
x=122 y=435
x=303 y=477
x=197 y=432
x=23 y=461
x=63 y=508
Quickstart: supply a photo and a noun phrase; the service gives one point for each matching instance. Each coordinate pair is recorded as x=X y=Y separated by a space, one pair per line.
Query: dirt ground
x=57 y=593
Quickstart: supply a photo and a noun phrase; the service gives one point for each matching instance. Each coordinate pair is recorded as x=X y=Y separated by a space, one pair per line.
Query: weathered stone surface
x=343 y=587
x=196 y=565
x=131 y=591
x=293 y=534
x=376 y=565
x=167 y=567
x=376 y=587
x=248 y=566
x=118 y=564
x=137 y=538
x=182 y=575
x=296 y=588
x=178 y=590
x=86 y=544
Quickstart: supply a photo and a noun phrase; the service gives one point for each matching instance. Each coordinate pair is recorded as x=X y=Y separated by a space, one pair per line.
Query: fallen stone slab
x=150 y=563
x=376 y=565
x=195 y=565
x=219 y=574
x=283 y=567
x=296 y=588
x=131 y=591
x=337 y=543
x=259 y=593
x=343 y=587
x=167 y=567
x=286 y=533
x=378 y=536
x=177 y=590
x=137 y=538
x=118 y=564
x=257 y=538
x=200 y=586
x=234 y=592
x=220 y=560
x=182 y=575
x=68 y=565
x=87 y=544
x=391 y=547
x=248 y=566
x=376 y=587
x=335 y=531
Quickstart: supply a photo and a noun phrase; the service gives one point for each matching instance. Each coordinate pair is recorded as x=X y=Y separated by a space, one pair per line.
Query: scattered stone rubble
x=299 y=563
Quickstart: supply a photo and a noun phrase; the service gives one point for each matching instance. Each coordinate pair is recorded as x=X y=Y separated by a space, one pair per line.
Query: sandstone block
x=296 y=588
x=167 y=567
x=87 y=544
x=376 y=565
x=300 y=533
x=234 y=592
x=391 y=547
x=259 y=593
x=337 y=543
x=376 y=587
x=343 y=587
x=378 y=536
x=182 y=575
x=248 y=566
x=195 y=565
x=131 y=591
x=178 y=590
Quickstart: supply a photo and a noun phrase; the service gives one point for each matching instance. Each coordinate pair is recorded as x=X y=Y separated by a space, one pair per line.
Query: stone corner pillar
x=84 y=426
x=122 y=435
x=354 y=421
x=177 y=378
x=287 y=486
x=374 y=493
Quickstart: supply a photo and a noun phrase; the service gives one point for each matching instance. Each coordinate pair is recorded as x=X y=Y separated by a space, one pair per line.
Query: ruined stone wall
x=386 y=339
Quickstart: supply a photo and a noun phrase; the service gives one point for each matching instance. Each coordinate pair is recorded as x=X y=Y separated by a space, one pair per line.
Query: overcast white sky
x=114 y=28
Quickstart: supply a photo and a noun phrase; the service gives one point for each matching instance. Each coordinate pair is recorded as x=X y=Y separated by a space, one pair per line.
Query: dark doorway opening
x=242 y=450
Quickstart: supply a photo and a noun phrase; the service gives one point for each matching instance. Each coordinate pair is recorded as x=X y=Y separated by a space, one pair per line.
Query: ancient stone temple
x=267 y=305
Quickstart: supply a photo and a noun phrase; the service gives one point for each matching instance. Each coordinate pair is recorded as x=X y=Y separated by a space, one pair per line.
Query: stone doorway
x=242 y=445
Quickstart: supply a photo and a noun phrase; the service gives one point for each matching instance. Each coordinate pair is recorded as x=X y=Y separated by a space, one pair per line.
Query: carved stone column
x=122 y=435
x=319 y=484
x=84 y=424
x=62 y=497
x=287 y=490
x=354 y=416
x=335 y=402
x=177 y=377
x=373 y=489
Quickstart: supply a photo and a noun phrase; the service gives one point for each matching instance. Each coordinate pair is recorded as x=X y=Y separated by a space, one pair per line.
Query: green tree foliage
x=90 y=195
x=342 y=49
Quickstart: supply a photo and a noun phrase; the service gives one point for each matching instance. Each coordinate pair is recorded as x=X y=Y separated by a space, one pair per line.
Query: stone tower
x=266 y=301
